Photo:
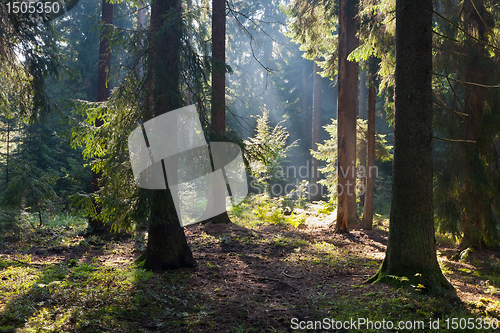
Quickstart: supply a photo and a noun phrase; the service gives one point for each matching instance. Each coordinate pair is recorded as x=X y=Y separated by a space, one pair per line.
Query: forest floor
x=251 y=277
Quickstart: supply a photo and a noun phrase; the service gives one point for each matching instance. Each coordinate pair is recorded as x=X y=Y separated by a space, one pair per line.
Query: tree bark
x=363 y=91
x=304 y=105
x=8 y=155
x=346 y=118
x=316 y=130
x=218 y=111
x=218 y=119
x=370 y=161
x=102 y=95
x=411 y=248
x=167 y=246
x=479 y=225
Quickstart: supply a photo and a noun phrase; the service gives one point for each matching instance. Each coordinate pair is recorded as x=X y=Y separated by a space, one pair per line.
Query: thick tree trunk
x=370 y=161
x=346 y=118
x=167 y=247
x=102 y=96
x=411 y=248
x=218 y=117
x=479 y=225
x=315 y=188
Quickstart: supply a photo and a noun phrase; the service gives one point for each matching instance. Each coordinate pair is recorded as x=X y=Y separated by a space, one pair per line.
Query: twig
x=465 y=32
x=290 y=276
x=467 y=82
x=453 y=140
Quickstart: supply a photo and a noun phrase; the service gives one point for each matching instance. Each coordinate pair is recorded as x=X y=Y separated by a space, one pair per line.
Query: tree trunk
x=370 y=161
x=411 y=248
x=8 y=155
x=315 y=188
x=363 y=91
x=218 y=117
x=167 y=246
x=304 y=106
x=141 y=16
x=346 y=118
x=102 y=95
x=479 y=225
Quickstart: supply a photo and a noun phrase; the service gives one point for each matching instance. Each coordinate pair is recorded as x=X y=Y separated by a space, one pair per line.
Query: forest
x=249 y=166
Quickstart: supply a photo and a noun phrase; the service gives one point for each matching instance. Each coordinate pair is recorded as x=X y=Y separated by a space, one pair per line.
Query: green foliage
x=124 y=204
x=327 y=151
x=32 y=54
x=31 y=175
x=467 y=175
x=314 y=27
x=262 y=209
x=107 y=149
x=267 y=150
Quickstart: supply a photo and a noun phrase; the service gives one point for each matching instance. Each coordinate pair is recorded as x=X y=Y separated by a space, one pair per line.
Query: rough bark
x=167 y=247
x=315 y=188
x=370 y=161
x=479 y=228
x=218 y=111
x=218 y=119
x=102 y=95
x=411 y=249
x=346 y=118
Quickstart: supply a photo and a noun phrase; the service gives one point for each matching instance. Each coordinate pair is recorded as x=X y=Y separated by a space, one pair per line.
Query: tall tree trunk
x=218 y=117
x=8 y=155
x=102 y=96
x=304 y=106
x=346 y=118
x=363 y=91
x=315 y=188
x=411 y=248
x=479 y=225
x=370 y=160
x=141 y=16
x=167 y=246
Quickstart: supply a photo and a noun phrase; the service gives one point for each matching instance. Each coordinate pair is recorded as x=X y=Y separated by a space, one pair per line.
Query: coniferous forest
x=249 y=166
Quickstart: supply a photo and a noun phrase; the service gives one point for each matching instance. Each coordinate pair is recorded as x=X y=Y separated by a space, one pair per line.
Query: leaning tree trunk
x=411 y=248
x=167 y=247
x=370 y=161
x=102 y=95
x=316 y=129
x=346 y=118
